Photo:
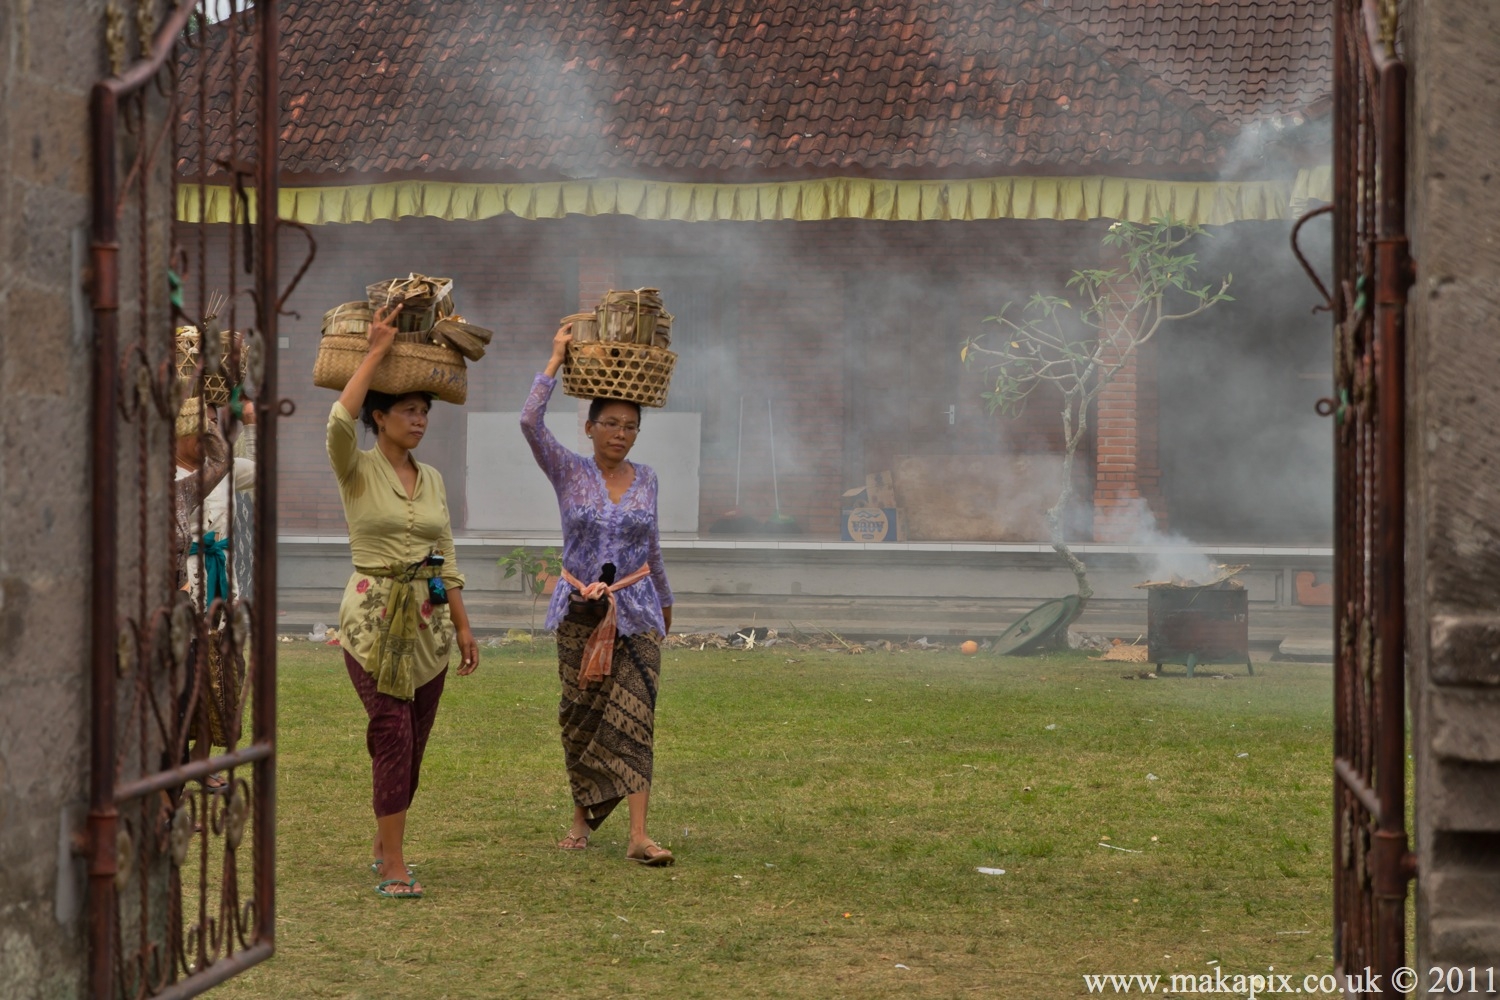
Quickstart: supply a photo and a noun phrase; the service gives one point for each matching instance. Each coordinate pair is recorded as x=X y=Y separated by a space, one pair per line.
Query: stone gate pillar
x=1453 y=456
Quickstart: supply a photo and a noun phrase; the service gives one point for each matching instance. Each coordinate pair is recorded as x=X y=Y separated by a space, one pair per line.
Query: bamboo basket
x=585 y=327
x=216 y=386
x=636 y=373
x=633 y=317
x=410 y=367
x=423 y=300
x=352 y=319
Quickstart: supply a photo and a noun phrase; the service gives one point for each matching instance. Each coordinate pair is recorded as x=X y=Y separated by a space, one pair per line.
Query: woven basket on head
x=352 y=319
x=636 y=373
x=631 y=317
x=423 y=300
x=217 y=385
x=585 y=327
x=410 y=367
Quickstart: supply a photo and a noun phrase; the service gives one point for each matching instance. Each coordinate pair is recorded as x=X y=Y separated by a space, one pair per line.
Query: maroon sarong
x=396 y=736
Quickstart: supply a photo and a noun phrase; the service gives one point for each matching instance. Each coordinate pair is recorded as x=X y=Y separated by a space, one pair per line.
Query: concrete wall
x=916 y=570
x=1454 y=448
x=50 y=52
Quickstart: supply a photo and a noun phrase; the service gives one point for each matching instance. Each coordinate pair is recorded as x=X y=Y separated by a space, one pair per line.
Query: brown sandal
x=573 y=842
x=653 y=856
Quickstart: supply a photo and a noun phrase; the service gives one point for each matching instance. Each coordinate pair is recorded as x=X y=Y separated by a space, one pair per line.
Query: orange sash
x=599 y=652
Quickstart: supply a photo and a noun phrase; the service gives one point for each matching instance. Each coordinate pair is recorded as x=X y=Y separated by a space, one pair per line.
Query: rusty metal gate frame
x=1372 y=275
x=156 y=930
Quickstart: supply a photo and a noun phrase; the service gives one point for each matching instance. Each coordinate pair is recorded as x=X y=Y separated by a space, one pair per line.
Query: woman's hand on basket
x=383 y=329
x=382 y=335
x=560 y=342
x=468 y=652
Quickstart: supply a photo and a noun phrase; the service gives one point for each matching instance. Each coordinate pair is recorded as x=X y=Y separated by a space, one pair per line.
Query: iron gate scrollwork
x=1372 y=275
x=180 y=838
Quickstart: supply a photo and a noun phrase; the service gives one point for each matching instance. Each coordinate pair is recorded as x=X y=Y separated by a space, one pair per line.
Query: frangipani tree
x=1078 y=344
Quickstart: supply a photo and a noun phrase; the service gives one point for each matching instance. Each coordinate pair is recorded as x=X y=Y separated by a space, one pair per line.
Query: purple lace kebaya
x=595 y=529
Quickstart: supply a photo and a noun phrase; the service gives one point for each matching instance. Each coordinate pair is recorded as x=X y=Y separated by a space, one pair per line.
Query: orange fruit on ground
x=969 y=648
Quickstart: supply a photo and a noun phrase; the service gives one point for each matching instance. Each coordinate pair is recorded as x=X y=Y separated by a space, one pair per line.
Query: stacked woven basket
x=619 y=350
x=208 y=374
x=432 y=341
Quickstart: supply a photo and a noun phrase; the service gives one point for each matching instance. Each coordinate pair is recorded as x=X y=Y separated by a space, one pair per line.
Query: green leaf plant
x=534 y=569
x=1077 y=344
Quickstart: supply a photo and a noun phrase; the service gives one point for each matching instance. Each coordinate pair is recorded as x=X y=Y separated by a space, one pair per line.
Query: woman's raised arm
x=548 y=451
x=560 y=342
x=382 y=336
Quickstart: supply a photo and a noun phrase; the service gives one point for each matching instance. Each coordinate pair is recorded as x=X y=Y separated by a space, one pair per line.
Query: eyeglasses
x=611 y=426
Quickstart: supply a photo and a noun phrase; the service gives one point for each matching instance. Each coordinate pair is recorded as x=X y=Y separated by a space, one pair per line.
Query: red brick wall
x=1127 y=460
x=791 y=285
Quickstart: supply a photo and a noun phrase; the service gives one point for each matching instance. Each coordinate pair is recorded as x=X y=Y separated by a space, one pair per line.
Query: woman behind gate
x=403 y=607
x=609 y=609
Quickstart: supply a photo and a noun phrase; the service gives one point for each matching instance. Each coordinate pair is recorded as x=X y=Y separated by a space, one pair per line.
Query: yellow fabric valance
x=1062 y=198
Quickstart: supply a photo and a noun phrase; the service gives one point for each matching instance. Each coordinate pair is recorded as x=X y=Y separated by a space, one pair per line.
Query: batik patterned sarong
x=606 y=727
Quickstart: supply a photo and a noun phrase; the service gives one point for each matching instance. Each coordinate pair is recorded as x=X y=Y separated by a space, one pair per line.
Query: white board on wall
x=507 y=492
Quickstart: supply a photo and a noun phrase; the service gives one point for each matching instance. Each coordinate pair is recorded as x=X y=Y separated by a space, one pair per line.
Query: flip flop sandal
x=572 y=843
x=409 y=883
x=655 y=856
x=377 y=863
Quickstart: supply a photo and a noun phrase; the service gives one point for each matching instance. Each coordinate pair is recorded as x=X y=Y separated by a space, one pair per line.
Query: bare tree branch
x=1081 y=351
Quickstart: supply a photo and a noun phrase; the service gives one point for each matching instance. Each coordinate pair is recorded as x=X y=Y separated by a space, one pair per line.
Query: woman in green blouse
x=396 y=630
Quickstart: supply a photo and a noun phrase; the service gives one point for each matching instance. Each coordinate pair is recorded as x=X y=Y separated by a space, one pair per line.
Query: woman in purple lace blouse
x=609 y=610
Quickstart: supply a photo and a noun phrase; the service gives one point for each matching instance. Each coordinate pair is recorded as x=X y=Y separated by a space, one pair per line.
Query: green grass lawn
x=828 y=813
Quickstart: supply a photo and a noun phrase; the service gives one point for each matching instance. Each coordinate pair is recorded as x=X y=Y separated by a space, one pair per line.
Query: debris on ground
x=804 y=638
x=696 y=640
x=1088 y=640
x=324 y=634
x=1125 y=652
x=516 y=637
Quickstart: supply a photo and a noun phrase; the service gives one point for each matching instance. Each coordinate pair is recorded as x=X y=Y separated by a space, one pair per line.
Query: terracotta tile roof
x=1245 y=59
x=739 y=90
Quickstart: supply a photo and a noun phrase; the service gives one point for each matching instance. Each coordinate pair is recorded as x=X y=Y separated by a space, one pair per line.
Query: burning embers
x=1189 y=622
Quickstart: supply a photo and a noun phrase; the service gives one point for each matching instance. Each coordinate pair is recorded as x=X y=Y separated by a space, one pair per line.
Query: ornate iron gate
x=180 y=836
x=1372 y=272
